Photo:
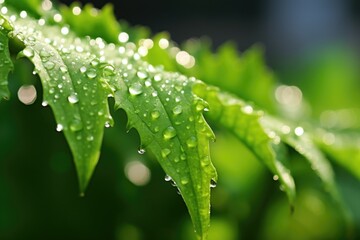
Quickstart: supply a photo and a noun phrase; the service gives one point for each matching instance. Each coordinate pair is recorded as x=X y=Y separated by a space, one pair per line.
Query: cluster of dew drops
x=129 y=53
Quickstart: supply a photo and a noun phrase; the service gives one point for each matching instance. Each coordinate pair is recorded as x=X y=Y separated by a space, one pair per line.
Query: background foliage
x=38 y=184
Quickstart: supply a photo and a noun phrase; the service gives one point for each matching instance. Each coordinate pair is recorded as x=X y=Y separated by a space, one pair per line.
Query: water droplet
x=135 y=89
x=59 y=127
x=157 y=77
x=155 y=115
x=44 y=54
x=141 y=151
x=154 y=94
x=169 y=133
x=107 y=124
x=299 y=131
x=212 y=183
x=73 y=99
x=167 y=178
x=184 y=180
x=83 y=69
x=165 y=152
x=90 y=138
x=44 y=103
x=28 y=52
x=275 y=177
x=177 y=110
x=141 y=75
x=91 y=73
x=63 y=69
x=191 y=142
x=49 y=65
x=108 y=71
x=199 y=107
x=76 y=125
x=205 y=161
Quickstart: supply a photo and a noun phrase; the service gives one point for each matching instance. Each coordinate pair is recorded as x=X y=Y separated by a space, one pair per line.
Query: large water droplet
x=28 y=52
x=141 y=75
x=44 y=54
x=184 y=180
x=49 y=65
x=76 y=125
x=191 y=142
x=177 y=110
x=165 y=152
x=135 y=89
x=108 y=71
x=91 y=73
x=155 y=115
x=73 y=99
x=169 y=133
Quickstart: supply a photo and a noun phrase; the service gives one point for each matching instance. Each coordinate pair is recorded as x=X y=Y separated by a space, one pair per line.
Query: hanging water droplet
x=135 y=89
x=107 y=124
x=141 y=151
x=169 y=133
x=199 y=107
x=28 y=52
x=275 y=177
x=165 y=152
x=91 y=73
x=73 y=99
x=213 y=183
x=177 y=110
x=59 y=127
x=76 y=125
x=167 y=178
x=191 y=142
x=44 y=103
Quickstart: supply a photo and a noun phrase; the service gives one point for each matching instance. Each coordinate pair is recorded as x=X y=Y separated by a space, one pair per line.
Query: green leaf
x=77 y=97
x=78 y=75
x=342 y=147
x=240 y=119
x=298 y=139
x=5 y=63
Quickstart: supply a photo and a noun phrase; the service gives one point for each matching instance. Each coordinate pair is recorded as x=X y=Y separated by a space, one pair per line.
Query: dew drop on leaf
x=107 y=124
x=73 y=99
x=28 y=52
x=90 y=138
x=49 y=65
x=165 y=152
x=76 y=125
x=177 y=110
x=155 y=115
x=141 y=151
x=184 y=180
x=141 y=75
x=91 y=73
x=169 y=133
x=191 y=142
x=135 y=89
x=44 y=103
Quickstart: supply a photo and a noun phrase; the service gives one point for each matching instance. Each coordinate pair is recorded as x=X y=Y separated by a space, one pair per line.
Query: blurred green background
x=313 y=45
